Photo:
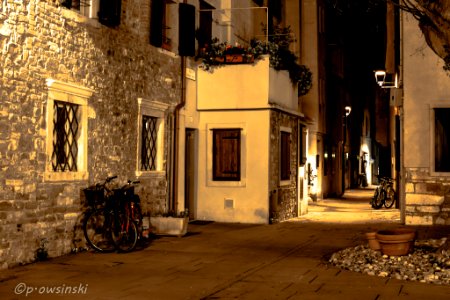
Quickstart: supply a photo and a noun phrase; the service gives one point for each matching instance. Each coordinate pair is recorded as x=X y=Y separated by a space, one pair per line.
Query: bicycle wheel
x=97 y=230
x=390 y=197
x=124 y=233
x=378 y=199
x=372 y=200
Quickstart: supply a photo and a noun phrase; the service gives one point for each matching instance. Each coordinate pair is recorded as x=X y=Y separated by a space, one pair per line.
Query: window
x=442 y=139
x=285 y=155
x=66 y=144
x=204 y=31
x=107 y=11
x=259 y=2
x=226 y=154
x=160 y=28
x=150 y=152
x=302 y=145
x=149 y=143
x=66 y=118
x=88 y=8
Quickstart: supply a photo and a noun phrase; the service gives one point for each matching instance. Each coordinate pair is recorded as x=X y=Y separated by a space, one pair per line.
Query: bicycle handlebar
x=110 y=178
x=107 y=180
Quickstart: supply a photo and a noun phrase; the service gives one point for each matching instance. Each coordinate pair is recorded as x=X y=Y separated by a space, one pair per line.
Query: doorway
x=189 y=167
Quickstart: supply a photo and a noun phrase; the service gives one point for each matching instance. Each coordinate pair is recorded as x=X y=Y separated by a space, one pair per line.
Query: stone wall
x=39 y=41
x=427 y=198
x=283 y=198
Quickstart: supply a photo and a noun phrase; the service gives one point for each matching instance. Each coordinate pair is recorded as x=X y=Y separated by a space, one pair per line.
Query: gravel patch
x=428 y=262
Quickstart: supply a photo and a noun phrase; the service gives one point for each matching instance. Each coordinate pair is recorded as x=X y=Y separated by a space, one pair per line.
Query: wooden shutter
x=186 y=30
x=109 y=12
x=227 y=154
x=156 y=22
x=285 y=156
x=302 y=145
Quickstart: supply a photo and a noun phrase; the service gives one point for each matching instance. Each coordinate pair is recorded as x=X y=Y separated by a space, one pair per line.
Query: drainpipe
x=173 y=205
x=176 y=129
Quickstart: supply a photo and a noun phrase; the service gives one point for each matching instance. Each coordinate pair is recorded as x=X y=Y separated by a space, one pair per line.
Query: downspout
x=176 y=128
x=176 y=115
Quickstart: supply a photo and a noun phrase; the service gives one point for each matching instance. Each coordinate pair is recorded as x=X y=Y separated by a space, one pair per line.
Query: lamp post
x=348 y=109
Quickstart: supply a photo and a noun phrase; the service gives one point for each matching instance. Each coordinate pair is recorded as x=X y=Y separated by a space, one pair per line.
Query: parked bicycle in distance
x=114 y=220
x=384 y=194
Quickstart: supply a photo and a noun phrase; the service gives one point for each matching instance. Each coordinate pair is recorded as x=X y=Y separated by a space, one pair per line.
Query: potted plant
x=169 y=223
x=281 y=57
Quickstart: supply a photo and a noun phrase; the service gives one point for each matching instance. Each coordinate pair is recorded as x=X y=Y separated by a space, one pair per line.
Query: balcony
x=245 y=86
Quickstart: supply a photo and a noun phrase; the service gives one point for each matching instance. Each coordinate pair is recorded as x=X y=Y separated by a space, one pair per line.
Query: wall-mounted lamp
x=348 y=110
x=391 y=81
x=380 y=76
x=386 y=80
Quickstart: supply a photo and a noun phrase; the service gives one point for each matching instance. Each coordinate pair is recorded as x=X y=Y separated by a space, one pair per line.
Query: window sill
x=150 y=174
x=218 y=183
x=65 y=176
x=285 y=182
x=440 y=174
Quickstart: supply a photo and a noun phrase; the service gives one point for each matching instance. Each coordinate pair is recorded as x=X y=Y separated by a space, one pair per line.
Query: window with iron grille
x=149 y=143
x=227 y=154
x=65 y=135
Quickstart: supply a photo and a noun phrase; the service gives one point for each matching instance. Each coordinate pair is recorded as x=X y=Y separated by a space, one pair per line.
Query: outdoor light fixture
x=380 y=76
x=386 y=80
x=348 y=110
x=391 y=81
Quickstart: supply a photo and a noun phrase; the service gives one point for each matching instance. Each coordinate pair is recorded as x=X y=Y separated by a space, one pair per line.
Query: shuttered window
x=442 y=139
x=285 y=155
x=226 y=154
x=302 y=145
x=157 y=26
x=109 y=12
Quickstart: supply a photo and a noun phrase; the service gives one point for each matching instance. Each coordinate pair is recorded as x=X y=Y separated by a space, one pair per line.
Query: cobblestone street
x=227 y=261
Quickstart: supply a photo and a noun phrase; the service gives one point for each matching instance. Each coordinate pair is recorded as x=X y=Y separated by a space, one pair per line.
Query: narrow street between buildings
x=288 y=260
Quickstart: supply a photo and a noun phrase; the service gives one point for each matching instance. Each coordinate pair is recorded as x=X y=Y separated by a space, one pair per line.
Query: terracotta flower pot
x=396 y=242
x=373 y=242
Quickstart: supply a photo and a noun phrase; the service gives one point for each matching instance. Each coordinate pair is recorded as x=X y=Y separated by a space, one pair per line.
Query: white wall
x=245 y=86
x=250 y=195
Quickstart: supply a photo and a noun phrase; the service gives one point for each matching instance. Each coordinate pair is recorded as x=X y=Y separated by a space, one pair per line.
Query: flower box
x=169 y=225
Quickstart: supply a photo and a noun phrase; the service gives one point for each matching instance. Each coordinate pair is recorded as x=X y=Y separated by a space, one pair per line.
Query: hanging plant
x=280 y=56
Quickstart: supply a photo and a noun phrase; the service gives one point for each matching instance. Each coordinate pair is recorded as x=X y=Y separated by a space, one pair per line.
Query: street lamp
x=348 y=110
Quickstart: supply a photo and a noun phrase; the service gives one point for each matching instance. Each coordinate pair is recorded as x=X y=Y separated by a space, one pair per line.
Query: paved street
x=232 y=261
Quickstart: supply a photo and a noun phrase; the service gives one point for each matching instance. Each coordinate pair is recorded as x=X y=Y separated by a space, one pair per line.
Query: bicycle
x=384 y=194
x=128 y=229
x=98 y=222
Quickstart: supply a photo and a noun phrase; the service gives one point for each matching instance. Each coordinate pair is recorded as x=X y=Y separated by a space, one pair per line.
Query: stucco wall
x=425 y=85
x=250 y=195
x=37 y=42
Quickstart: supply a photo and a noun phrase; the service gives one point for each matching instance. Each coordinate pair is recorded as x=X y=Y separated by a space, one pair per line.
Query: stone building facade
x=284 y=195
x=425 y=111
x=104 y=81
